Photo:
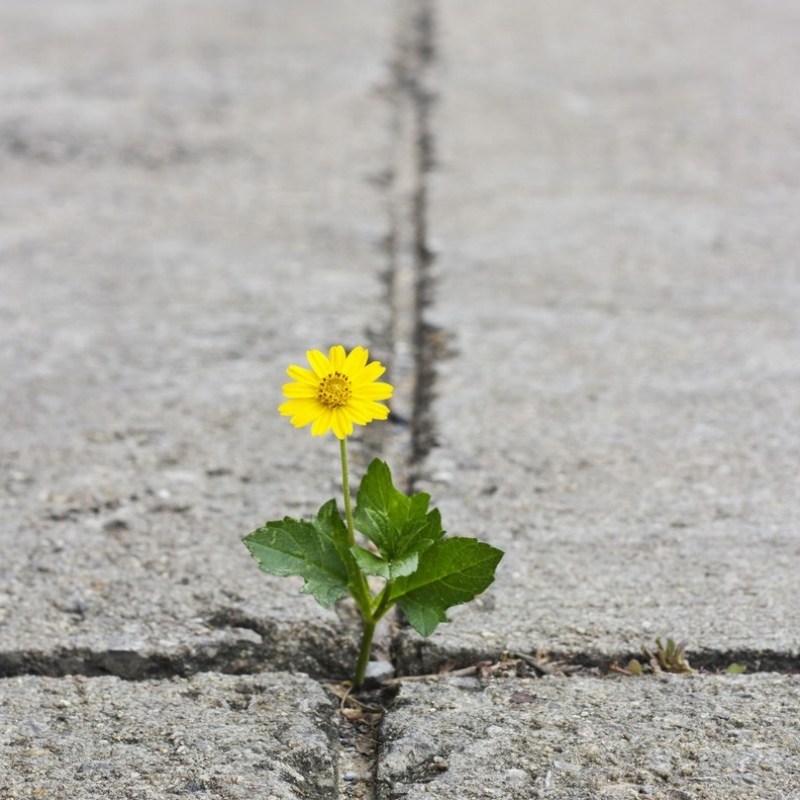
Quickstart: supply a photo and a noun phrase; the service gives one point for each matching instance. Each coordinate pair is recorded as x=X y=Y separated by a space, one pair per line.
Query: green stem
x=381 y=603
x=361 y=593
x=381 y=606
x=363 y=656
x=348 y=510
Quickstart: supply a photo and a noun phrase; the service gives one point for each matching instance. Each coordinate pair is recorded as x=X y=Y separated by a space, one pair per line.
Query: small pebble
x=379 y=671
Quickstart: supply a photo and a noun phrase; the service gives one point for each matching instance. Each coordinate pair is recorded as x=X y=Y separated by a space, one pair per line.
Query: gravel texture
x=265 y=736
x=671 y=738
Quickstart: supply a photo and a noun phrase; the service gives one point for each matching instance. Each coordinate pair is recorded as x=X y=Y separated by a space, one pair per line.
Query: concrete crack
x=410 y=340
x=413 y=657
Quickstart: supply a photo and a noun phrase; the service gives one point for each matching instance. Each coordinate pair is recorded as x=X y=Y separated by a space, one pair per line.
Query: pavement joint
x=410 y=339
x=412 y=656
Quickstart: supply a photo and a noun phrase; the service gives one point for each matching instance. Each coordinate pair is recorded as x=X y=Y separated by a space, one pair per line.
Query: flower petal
x=319 y=363
x=342 y=425
x=322 y=424
x=355 y=361
x=358 y=413
x=378 y=411
x=375 y=391
x=291 y=407
x=301 y=411
x=337 y=357
x=368 y=374
x=302 y=375
x=368 y=410
x=299 y=390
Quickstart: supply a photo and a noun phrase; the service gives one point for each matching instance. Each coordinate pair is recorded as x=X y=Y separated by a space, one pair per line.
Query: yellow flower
x=339 y=390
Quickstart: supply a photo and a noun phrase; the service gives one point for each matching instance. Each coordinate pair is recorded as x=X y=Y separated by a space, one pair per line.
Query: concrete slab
x=188 y=205
x=613 y=214
x=270 y=736
x=673 y=738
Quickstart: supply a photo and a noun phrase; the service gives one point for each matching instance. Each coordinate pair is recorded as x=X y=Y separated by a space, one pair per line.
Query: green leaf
x=316 y=549
x=369 y=563
x=736 y=669
x=397 y=524
x=451 y=571
x=372 y=564
x=634 y=667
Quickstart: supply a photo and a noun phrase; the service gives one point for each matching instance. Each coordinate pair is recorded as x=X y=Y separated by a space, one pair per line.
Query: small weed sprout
x=403 y=546
x=669 y=657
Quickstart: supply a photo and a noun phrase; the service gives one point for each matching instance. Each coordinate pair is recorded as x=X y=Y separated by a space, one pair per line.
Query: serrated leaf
x=396 y=523
x=372 y=564
x=369 y=563
x=451 y=572
x=316 y=549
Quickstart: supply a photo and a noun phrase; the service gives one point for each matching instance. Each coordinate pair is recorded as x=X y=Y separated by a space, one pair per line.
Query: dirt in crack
x=360 y=718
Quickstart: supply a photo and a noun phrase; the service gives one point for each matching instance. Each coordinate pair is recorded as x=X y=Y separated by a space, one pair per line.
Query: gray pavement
x=194 y=193
x=272 y=736
x=187 y=209
x=710 y=737
x=614 y=216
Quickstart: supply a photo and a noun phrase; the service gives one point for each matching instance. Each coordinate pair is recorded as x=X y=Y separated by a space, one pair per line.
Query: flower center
x=334 y=390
